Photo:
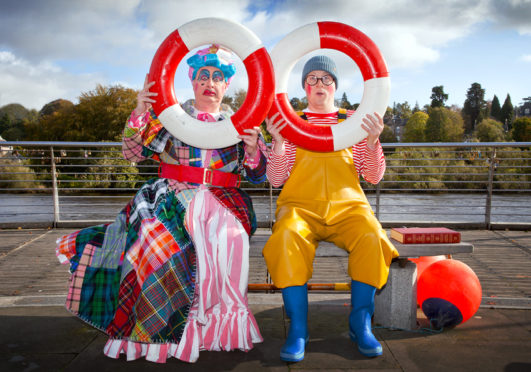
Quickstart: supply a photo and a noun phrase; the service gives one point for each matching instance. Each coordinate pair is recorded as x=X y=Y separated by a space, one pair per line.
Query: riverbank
x=508 y=211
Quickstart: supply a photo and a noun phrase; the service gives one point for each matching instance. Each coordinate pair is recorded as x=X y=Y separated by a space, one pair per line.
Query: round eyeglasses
x=326 y=80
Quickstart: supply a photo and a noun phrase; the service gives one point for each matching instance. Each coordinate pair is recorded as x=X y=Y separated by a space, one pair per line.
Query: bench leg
x=396 y=303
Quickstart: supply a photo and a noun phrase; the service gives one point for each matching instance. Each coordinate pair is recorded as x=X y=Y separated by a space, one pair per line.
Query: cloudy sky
x=54 y=49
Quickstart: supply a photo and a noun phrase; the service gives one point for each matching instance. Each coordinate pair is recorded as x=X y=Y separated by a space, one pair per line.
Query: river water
x=466 y=208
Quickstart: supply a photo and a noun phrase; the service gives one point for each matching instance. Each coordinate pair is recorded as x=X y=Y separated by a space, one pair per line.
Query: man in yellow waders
x=322 y=200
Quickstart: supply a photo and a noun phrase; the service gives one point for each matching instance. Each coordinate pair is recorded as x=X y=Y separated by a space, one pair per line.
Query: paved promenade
x=38 y=334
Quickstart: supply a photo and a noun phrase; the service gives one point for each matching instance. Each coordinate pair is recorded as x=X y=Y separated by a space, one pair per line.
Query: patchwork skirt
x=168 y=278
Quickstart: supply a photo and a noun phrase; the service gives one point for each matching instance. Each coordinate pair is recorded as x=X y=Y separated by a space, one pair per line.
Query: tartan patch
x=166 y=296
x=153 y=248
x=124 y=317
x=99 y=295
x=91 y=235
x=66 y=245
x=73 y=298
x=111 y=253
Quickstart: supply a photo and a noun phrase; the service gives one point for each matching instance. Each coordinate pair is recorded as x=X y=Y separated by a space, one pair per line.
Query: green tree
x=507 y=113
x=489 y=130
x=297 y=104
x=438 y=97
x=13 y=118
x=474 y=107
x=444 y=125
x=387 y=135
x=495 y=109
x=344 y=103
x=521 y=131
x=415 y=128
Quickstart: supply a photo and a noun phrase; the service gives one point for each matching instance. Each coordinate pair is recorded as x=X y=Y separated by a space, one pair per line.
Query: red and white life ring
x=355 y=44
x=259 y=70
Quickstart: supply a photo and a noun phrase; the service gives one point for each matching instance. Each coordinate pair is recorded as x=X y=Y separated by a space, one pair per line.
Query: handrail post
x=488 y=202
x=378 y=188
x=55 y=190
x=270 y=206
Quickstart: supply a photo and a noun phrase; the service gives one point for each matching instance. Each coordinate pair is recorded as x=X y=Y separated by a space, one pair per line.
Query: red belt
x=207 y=176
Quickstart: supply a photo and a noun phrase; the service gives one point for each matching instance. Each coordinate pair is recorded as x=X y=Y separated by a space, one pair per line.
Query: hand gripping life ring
x=259 y=70
x=355 y=44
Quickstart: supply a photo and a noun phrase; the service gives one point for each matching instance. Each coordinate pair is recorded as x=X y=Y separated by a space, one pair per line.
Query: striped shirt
x=369 y=163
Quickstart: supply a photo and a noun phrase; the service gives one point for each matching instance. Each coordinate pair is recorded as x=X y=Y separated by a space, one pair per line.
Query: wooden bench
x=396 y=303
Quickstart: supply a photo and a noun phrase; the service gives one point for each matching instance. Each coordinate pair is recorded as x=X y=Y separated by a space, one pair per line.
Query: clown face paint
x=209 y=89
x=320 y=96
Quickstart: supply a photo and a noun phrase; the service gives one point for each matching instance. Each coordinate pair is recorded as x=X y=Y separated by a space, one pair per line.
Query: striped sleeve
x=369 y=163
x=279 y=166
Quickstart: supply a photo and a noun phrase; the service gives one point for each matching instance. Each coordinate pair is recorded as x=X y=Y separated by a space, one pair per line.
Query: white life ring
x=362 y=50
x=259 y=70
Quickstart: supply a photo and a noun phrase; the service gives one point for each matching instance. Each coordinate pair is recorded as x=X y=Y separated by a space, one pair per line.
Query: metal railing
x=486 y=185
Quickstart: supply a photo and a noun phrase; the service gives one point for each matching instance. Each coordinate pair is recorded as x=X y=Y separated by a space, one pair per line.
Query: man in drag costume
x=322 y=200
x=168 y=278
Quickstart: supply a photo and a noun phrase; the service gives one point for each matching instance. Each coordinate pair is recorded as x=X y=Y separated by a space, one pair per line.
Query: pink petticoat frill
x=219 y=319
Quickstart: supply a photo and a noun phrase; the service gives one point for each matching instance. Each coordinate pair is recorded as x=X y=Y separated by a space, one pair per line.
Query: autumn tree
x=444 y=125
x=521 y=131
x=489 y=130
x=438 y=97
x=100 y=115
x=474 y=108
x=415 y=128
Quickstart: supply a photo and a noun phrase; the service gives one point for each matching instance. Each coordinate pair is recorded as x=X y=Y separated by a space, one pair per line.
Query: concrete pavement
x=38 y=334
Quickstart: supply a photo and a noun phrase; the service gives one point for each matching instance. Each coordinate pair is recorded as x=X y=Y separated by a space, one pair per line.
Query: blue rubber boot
x=296 y=305
x=362 y=300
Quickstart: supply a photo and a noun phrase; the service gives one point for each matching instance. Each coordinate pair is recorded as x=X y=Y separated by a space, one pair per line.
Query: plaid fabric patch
x=66 y=245
x=145 y=202
x=111 y=253
x=131 y=145
x=239 y=203
x=153 y=248
x=76 y=280
x=91 y=235
x=124 y=317
x=162 y=306
x=99 y=295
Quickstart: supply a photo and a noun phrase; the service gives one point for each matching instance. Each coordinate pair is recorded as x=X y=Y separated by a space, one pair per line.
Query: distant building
x=5 y=150
x=525 y=108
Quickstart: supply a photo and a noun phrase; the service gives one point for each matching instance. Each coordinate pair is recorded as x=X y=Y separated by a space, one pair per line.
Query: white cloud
x=526 y=58
x=34 y=85
x=68 y=46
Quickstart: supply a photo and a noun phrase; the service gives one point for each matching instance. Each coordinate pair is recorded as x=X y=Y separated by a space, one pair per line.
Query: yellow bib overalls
x=323 y=200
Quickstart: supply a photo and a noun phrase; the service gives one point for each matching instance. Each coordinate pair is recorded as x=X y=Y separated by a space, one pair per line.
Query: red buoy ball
x=449 y=293
x=422 y=263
